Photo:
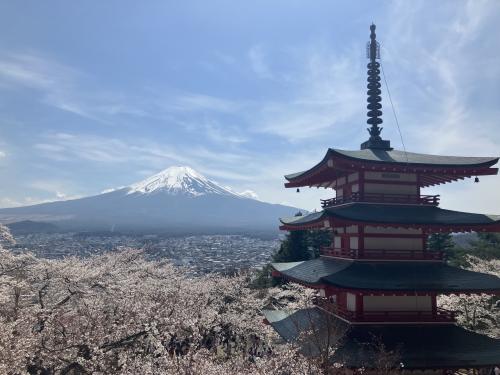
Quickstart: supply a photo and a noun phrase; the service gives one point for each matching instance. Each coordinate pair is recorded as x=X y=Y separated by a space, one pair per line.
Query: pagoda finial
x=374 y=107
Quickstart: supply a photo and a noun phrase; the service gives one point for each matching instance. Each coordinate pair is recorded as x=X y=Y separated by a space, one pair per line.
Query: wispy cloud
x=6 y=202
x=159 y=155
x=443 y=96
x=53 y=80
x=258 y=63
x=197 y=102
x=63 y=87
x=324 y=96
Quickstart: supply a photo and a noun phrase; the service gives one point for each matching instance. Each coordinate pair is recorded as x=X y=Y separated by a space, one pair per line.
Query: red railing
x=432 y=200
x=383 y=254
x=440 y=315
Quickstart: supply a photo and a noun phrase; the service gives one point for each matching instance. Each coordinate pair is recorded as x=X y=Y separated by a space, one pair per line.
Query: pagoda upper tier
x=423 y=217
x=422 y=170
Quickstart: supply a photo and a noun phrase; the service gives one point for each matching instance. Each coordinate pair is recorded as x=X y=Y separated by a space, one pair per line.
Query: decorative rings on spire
x=374 y=106
x=375 y=142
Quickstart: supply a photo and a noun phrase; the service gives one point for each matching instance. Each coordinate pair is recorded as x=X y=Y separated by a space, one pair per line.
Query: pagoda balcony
x=431 y=200
x=379 y=254
x=389 y=316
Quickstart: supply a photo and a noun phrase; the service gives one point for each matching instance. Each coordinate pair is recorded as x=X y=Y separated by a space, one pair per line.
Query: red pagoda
x=378 y=279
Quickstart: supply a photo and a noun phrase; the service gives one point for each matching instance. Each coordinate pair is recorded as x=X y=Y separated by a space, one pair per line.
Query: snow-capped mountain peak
x=181 y=180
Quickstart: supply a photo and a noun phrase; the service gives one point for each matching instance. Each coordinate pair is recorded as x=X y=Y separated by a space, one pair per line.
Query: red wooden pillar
x=434 y=304
x=328 y=292
x=347 y=190
x=361 y=184
x=345 y=243
x=359 y=305
x=361 y=241
x=342 y=300
x=418 y=185
x=424 y=241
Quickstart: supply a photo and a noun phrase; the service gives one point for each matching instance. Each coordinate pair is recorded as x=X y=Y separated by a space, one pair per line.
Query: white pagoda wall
x=388 y=176
x=382 y=243
x=378 y=182
x=351 y=302
x=336 y=242
x=390 y=188
x=374 y=243
x=386 y=187
x=383 y=230
x=397 y=303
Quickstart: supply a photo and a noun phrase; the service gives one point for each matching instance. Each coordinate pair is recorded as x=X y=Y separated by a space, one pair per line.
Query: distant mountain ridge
x=176 y=200
x=29 y=226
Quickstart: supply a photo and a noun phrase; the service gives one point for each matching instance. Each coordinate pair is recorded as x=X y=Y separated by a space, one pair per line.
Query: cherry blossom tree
x=477 y=312
x=6 y=238
x=120 y=313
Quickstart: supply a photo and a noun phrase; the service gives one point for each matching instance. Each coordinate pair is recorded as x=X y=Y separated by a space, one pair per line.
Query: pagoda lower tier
x=386 y=277
x=389 y=292
x=414 y=347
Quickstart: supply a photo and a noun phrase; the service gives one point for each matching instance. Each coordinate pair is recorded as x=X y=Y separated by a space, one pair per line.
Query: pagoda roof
x=348 y=161
x=398 y=215
x=420 y=346
x=402 y=157
x=388 y=276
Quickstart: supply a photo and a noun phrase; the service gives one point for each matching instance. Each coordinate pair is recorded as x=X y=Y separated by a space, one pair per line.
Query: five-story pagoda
x=378 y=279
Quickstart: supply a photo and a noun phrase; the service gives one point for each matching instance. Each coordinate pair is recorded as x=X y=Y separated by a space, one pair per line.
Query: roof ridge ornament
x=374 y=107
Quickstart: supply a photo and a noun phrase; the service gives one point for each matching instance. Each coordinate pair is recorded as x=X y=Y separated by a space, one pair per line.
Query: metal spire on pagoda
x=374 y=107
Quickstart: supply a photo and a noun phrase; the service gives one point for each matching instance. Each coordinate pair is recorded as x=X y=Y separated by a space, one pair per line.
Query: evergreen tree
x=302 y=245
x=317 y=239
x=294 y=248
x=444 y=242
x=487 y=246
x=440 y=242
x=297 y=246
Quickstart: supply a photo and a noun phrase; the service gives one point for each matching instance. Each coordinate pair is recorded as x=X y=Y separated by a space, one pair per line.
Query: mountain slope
x=175 y=200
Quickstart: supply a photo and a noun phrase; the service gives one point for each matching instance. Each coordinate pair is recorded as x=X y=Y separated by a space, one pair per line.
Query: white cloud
x=110 y=190
x=258 y=62
x=249 y=194
x=440 y=106
x=60 y=195
x=223 y=134
x=197 y=102
x=55 y=188
x=64 y=87
x=6 y=202
x=324 y=96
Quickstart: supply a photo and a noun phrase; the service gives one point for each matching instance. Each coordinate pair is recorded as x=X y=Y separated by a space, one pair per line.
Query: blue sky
x=96 y=95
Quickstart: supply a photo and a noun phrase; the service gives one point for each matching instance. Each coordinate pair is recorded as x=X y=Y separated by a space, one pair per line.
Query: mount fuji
x=178 y=181
x=176 y=200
